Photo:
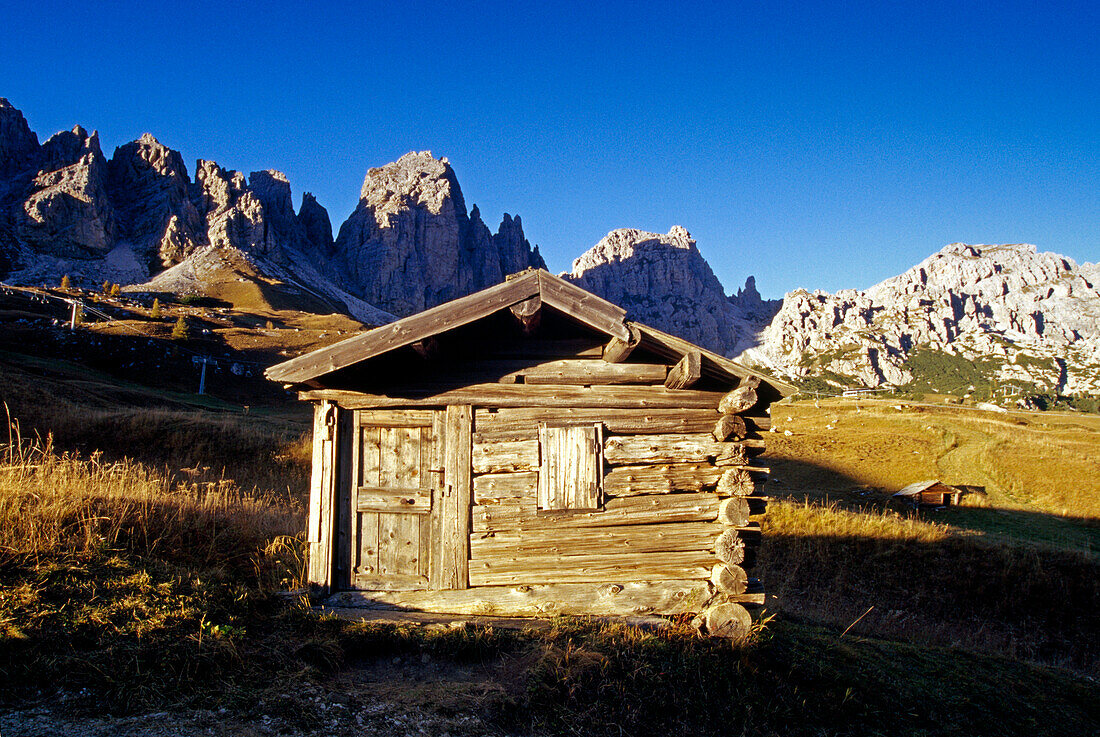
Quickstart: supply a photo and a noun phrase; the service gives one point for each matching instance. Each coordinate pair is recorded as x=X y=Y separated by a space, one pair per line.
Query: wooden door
x=398 y=475
x=410 y=500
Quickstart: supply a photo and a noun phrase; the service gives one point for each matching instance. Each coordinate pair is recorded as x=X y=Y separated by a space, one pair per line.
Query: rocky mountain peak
x=18 y=143
x=663 y=280
x=317 y=225
x=410 y=243
x=1033 y=317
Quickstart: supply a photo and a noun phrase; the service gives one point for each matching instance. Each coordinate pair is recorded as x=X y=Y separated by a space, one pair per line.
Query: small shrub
x=66 y=283
x=106 y=287
x=156 y=312
x=116 y=290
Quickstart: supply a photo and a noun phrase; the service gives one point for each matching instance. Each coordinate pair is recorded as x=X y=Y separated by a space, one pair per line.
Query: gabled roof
x=579 y=304
x=920 y=486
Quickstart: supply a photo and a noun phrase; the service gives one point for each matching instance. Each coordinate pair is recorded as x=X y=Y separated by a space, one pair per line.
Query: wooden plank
x=622 y=481
x=583 y=305
x=368 y=535
x=406 y=331
x=636 y=510
x=492 y=488
x=623 y=598
x=494 y=457
x=672 y=448
x=437 y=564
x=347 y=454
x=391 y=582
x=396 y=418
x=392 y=499
x=523 y=395
x=370 y=456
x=521 y=423
x=599 y=567
x=313 y=524
x=321 y=523
x=686 y=372
x=456 y=524
x=622 y=539
x=585 y=372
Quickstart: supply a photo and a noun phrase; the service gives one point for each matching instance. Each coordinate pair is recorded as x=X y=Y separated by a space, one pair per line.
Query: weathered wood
x=407 y=331
x=441 y=505
x=493 y=488
x=729 y=426
x=736 y=482
x=672 y=448
x=391 y=582
x=625 y=597
x=582 y=304
x=730 y=548
x=728 y=620
x=686 y=372
x=322 y=498
x=741 y=399
x=619 y=349
x=522 y=395
x=586 y=372
x=729 y=579
x=528 y=313
x=570 y=468
x=346 y=457
x=396 y=418
x=624 y=540
x=394 y=499
x=494 y=457
x=456 y=526
x=596 y=567
x=622 y=481
x=734 y=511
x=635 y=510
x=521 y=423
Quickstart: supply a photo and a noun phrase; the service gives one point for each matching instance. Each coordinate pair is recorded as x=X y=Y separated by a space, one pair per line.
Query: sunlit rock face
x=662 y=280
x=410 y=244
x=1035 y=316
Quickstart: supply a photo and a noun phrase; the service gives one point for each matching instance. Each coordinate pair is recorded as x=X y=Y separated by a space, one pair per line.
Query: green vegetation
x=180 y=330
x=155 y=312
x=935 y=371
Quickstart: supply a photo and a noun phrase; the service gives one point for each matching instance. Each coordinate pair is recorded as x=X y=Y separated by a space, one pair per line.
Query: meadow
x=150 y=548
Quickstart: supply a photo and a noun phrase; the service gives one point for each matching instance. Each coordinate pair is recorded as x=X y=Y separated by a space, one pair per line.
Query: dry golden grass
x=55 y=503
x=1026 y=461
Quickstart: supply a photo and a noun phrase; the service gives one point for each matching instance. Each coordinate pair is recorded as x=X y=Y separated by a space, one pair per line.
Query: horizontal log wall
x=666 y=539
x=667 y=513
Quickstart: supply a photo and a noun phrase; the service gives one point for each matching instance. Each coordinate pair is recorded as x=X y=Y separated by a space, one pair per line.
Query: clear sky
x=821 y=144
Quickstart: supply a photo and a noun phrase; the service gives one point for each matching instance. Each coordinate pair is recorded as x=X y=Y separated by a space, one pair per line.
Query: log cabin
x=528 y=450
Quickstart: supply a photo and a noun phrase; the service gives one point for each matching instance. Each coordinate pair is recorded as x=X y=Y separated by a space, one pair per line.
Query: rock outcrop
x=1032 y=318
x=410 y=243
x=664 y=281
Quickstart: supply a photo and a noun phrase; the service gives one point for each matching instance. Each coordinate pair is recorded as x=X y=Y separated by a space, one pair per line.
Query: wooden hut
x=931 y=493
x=528 y=450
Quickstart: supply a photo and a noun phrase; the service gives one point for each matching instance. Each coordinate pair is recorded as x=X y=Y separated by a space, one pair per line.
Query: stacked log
x=734 y=547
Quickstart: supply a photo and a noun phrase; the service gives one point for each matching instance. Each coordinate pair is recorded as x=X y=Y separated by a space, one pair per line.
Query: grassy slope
x=150 y=588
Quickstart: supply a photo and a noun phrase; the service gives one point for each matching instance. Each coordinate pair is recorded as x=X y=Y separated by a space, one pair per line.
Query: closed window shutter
x=570 y=467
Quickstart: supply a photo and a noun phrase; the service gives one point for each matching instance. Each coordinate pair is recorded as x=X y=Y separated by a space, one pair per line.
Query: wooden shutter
x=570 y=467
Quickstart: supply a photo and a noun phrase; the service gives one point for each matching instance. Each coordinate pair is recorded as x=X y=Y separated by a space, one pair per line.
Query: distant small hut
x=935 y=493
x=527 y=450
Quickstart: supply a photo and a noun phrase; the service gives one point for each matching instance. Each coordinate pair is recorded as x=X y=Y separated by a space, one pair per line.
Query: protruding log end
x=730 y=548
x=734 y=511
x=739 y=400
x=729 y=579
x=729 y=427
x=735 y=482
x=727 y=620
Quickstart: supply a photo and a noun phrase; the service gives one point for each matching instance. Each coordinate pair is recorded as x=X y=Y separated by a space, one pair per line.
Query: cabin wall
x=678 y=521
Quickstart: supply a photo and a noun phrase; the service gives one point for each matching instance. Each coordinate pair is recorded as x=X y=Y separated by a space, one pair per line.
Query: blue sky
x=819 y=145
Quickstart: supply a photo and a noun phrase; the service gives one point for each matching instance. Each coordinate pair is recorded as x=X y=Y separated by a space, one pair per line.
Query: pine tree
x=66 y=283
x=179 y=330
x=115 y=290
x=106 y=287
x=155 y=313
